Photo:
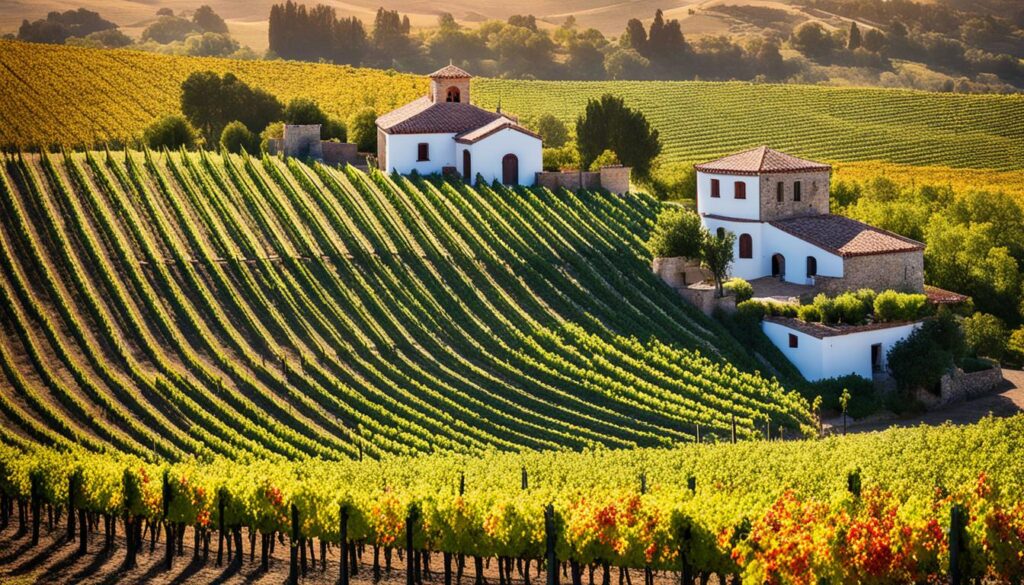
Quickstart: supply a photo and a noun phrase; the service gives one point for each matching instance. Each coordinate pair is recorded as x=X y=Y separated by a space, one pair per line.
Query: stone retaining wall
x=959 y=386
x=614 y=179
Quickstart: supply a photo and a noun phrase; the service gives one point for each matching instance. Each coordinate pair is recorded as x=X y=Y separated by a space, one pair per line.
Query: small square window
x=796 y=191
x=423 y=152
x=780 y=190
x=715 y=189
x=793 y=341
x=740 y=190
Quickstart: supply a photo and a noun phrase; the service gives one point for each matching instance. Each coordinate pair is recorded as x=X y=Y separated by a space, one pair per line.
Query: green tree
x=236 y=138
x=209 y=21
x=607 y=124
x=874 y=40
x=716 y=255
x=362 y=129
x=677 y=233
x=168 y=29
x=304 y=111
x=210 y=45
x=552 y=130
x=605 y=159
x=210 y=102
x=853 y=40
x=170 y=132
x=622 y=64
x=813 y=40
x=986 y=335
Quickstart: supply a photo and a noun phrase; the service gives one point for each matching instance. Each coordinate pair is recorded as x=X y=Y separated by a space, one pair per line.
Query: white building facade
x=822 y=352
x=444 y=133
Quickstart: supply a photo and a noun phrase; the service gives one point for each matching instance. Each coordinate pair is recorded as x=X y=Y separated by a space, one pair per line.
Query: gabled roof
x=938 y=296
x=844 y=236
x=501 y=123
x=761 y=160
x=423 y=116
x=450 y=71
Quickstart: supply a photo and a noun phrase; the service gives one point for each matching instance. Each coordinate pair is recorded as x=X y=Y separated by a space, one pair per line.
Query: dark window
x=740 y=190
x=467 y=166
x=454 y=95
x=793 y=341
x=779 y=191
x=796 y=191
x=812 y=266
x=423 y=152
x=714 y=188
x=720 y=232
x=746 y=246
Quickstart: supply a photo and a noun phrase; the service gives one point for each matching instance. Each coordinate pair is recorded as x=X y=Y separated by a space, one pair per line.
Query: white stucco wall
x=840 y=355
x=403 y=150
x=768 y=241
x=488 y=153
x=726 y=204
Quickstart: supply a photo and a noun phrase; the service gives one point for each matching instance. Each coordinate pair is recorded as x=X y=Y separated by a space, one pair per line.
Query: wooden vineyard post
x=525 y=482
x=131 y=524
x=685 y=570
x=956 y=544
x=293 y=567
x=343 y=526
x=35 y=502
x=643 y=483
x=410 y=558
x=734 y=428
x=168 y=526
x=220 y=526
x=72 y=480
x=550 y=557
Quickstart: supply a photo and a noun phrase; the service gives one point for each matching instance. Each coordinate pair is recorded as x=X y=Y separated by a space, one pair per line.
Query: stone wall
x=680 y=272
x=959 y=386
x=439 y=89
x=302 y=141
x=615 y=179
x=901 y=271
x=340 y=153
x=814 y=187
x=382 y=151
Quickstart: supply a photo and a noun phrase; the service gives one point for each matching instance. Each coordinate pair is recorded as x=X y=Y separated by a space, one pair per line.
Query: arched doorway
x=779 y=265
x=746 y=246
x=510 y=170
x=467 y=166
x=453 y=95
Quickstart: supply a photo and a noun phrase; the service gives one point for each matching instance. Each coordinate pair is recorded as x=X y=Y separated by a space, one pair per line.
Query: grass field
x=64 y=95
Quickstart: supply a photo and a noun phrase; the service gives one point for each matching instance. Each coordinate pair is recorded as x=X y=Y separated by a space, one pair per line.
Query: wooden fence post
x=71 y=506
x=734 y=428
x=525 y=482
x=343 y=578
x=410 y=558
x=168 y=526
x=686 y=571
x=550 y=537
x=35 y=502
x=956 y=543
x=293 y=568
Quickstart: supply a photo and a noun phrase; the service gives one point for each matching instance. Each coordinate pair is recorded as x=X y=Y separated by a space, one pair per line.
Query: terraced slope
x=189 y=303
x=76 y=96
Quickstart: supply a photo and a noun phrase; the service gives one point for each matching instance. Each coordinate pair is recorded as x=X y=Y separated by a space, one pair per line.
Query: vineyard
x=877 y=508
x=57 y=95
x=171 y=304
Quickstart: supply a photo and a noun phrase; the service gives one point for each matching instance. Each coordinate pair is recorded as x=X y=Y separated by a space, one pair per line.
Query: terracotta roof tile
x=761 y=160
x=423 y=116
x=940 y=296
x=844 y=236
x=476 y=134
x=449 y=72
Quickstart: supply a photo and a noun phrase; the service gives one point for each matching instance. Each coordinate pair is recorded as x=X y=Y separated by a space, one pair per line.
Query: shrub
x=826 y=308
x=850 y=309
x=677 y=233
x=304 y=111
x=1015 y=346
x=894 y=306
x=751 y=311
x=565 y=157
x=552 y=131
x=743 y=290
x=362 y=129
x=236 y=138
x=673 y=181
x=606 y=159
x=920 y=360
x=170 y=132
x=972 y=364
x=809 y=313
x=864 y=400
x=985 y=335
x=334 y=130
x=273 y=130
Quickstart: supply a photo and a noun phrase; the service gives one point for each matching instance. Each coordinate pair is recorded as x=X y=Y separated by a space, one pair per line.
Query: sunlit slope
x=192 y=303
x=75 y=96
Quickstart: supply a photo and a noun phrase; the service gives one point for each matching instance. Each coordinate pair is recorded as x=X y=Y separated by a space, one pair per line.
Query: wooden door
x=510 y=170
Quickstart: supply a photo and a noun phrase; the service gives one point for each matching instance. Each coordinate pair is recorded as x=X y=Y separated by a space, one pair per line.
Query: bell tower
x=449 y=84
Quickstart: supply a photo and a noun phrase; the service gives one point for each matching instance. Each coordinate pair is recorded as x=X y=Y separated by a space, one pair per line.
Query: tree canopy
x=210 y=102
x=608 y=124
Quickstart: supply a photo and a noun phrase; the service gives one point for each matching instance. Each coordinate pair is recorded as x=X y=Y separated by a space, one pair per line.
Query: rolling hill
x=188 y=303
x=72 y=96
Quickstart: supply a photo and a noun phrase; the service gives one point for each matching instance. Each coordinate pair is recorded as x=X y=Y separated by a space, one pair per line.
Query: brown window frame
x=423 y=152
x=797 y=191
x=780 y=192
x=716 y=189
x=739 y=190
x=746 y=244
x=794 y=341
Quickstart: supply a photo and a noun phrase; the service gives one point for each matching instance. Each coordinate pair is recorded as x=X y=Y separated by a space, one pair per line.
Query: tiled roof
x=940 y=296
x=423 y=116
x=761 y=160
x=821 y=331
x=844 y=236
x=449 y=72
x=476 y=134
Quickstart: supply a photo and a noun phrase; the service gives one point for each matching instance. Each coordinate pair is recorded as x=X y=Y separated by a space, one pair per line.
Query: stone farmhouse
x=444 y=133
x=786 y=239
x=778 y=207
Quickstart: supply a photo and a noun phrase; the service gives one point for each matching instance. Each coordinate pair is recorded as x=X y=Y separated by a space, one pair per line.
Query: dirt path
x=1007 y=400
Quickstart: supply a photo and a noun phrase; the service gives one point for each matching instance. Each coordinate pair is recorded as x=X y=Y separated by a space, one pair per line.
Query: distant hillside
x=65 y=95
